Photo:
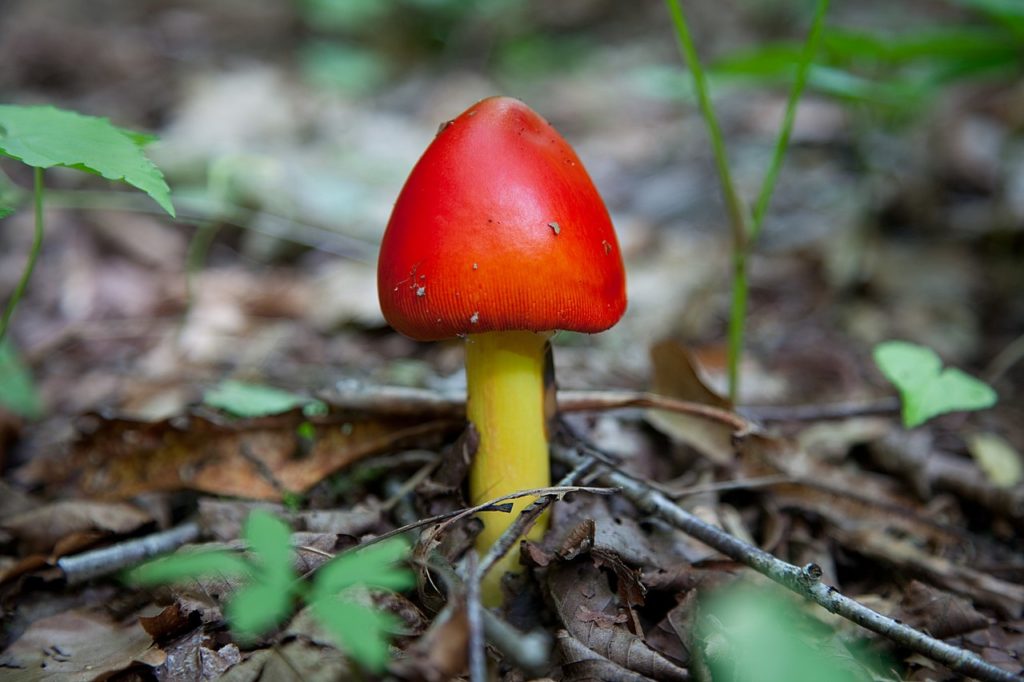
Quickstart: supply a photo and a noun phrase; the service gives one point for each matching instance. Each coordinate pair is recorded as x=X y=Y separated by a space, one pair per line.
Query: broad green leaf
x=44 y=136
x=255 y=400
x=362 y=632
x=17 y=390
x=256 y=608
x=926 y=389
x=5 y=211
x=270 y=540
x=374 y=566
x=189 y=566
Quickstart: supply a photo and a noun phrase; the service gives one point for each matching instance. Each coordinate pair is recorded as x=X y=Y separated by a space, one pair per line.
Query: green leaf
x=44 y=136
x=256 y=608
x=926 y=389
x=189 y=566
x=255 y=400
x=374 y=566
x=362 y=632
x=5 y=211
x=270 y=540
x=17 y=390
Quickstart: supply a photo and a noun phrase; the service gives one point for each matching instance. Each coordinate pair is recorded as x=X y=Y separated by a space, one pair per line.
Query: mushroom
x=500 y=237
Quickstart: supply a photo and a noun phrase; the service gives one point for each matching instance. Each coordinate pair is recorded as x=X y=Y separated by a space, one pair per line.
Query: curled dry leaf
x=674 y=375
x=580 y=590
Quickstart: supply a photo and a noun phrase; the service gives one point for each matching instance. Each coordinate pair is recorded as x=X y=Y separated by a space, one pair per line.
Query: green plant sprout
x=926 y=389
x=270 y=587
x=746 y=226
x=242 y=399
x=43 y=137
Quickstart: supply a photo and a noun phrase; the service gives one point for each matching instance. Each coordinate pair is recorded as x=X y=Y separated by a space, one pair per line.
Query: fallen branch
x=101 y=562
x=804 y=581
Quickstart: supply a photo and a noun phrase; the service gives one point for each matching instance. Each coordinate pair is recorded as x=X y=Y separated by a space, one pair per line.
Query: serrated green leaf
x=270 y=540
x=44 y=136
x=256 y=608
x=189 y=566
x=373 y=567
x=926 y=389
x=362 y=632
x=243 y=399
x=17 y=390
x=5 y=211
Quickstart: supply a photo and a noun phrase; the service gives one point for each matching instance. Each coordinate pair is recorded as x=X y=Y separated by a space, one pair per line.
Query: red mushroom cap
x=499 y=228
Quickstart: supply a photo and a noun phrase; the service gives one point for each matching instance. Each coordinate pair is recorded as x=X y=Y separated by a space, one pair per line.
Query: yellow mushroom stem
x=505 y=376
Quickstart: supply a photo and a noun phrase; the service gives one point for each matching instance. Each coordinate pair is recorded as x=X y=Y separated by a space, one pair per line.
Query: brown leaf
x=169 y=623
x=578 y=541
x=260 y=458
x=41 y=530
x=938 y=613
x=581 y=589
x=673 y=375
x=77 y=646
x=441 y=653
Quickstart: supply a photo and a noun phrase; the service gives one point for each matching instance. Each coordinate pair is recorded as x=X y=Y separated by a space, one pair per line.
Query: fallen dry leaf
x=41 y=530
x=77 y=646
x=263 y=458
x=580 y=590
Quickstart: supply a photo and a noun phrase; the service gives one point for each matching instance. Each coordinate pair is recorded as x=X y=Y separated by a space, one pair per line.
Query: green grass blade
x=737 y=213
x=786 y=131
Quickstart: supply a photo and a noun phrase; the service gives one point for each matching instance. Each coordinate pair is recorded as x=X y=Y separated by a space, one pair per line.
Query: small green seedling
x=926 y=389
x=242 y=399
x=44 y=136
x=271 y=587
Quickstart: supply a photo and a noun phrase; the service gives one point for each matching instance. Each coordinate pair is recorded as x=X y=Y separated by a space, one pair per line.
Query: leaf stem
x=33 y=256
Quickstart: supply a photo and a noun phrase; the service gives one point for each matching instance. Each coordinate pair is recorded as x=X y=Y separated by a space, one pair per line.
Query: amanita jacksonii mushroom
x=499 y=236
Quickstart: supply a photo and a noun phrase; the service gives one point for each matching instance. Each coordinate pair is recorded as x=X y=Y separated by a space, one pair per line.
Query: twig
x=526 y=518
x=477 y=654
x=913 y=457
x=529 y=651
x=99 y=562
x=1004 y=360
x=556 y=491
x=883 y=407
x=399 y=400
x=803 y=581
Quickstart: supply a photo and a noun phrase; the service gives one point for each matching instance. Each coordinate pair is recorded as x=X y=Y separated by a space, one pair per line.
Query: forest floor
x=880 y=229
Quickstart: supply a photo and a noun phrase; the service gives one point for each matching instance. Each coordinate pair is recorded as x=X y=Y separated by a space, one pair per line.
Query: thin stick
x=803 y=581
x=33 y=254
x=399 y=400
x=526 y=518
x=883 y=407
x=474 y=619
x=100 y=562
